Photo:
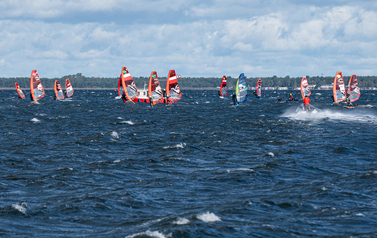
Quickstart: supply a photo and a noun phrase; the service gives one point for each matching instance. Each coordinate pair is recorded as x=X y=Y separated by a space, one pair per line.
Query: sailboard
x=130 y=94
x=259 y=88
x=19 y=91
x=353 y=89
x=223 y=87
x=241 y=89
x=68 y=88
x=339 y=91
x=305 y=90
x=36 y=89
x=173 y=92
x=155 y=94
x=59 y=95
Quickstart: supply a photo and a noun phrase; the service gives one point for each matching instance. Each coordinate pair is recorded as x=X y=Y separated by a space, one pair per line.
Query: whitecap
x=180 y=145
x=181 y=221
x=271 y=154
x=154 y=234
x=20 y=208
x=360 y=215
x=128 y=122
x=115 y=135
x=119 y=118
x=208 y=217
x=240 y=169
x=35 y=120
x=117 y=161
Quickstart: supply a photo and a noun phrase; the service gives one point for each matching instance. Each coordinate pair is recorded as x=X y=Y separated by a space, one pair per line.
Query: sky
x=211 y=38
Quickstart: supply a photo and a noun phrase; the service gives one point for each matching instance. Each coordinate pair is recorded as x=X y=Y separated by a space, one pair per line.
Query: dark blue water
x=93 y=166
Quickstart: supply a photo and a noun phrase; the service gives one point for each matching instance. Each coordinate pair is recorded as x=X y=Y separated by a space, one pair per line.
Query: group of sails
x=240 y=94
x=341 y=93
x=129 y=93
x=37 y=91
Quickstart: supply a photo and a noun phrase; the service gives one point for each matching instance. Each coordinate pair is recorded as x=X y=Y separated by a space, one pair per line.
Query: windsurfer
x=255 y=93
x=306 y=102
x=234 y=98
x=349 y=104
x=290 y=98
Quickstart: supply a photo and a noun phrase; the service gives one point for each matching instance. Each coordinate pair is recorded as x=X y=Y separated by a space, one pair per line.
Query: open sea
x=92 y=166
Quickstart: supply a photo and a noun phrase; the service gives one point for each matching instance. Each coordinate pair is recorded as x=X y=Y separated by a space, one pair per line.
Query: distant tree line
x=80 y=81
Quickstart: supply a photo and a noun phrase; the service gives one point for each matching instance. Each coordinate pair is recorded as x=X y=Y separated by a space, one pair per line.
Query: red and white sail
x=259 y=88
x=129 y=87
x=68 y=88
x=339 y=90
x=305 y=90
x=353 y=89
x=36 y=89
x=154 y=89
x=59 y=94
x=19 y=91
x=223 y=87
x=173 y=92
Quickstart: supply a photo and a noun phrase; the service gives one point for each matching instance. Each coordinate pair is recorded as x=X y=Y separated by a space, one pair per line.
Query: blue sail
x=241 y=89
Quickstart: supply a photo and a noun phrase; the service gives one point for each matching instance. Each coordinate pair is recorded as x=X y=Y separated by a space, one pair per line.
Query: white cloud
x=226 y=37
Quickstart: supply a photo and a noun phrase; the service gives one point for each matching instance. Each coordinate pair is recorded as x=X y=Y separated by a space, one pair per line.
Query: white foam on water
x=180 y=145
x=115 y=135
x=240 y=169
x=154 y=234
x=128 y=122
x=346 y=115
x=20 y=208
x=208 y=217
x=271 y=154
x=117 y=160
x=207 y=102
x=35 y=120
x=119 y=118
x=181 y=221
x=118 y=97
x=360 y=215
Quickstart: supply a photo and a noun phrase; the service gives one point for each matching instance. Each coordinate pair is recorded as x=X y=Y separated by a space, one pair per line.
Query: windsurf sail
x=223 y=87
x=259 y=88
x=241 y=89
x=173 y=92
x=129 y=87
x=353 y=89
x=154 y=89
x=339 y=91
x=19 y=91
x=305 y=90
x=59 y=95
x=36 y=89
x=68 y=88
x=120 y=86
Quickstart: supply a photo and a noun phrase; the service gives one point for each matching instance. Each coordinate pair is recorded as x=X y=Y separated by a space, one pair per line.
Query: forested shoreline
x=80 y=81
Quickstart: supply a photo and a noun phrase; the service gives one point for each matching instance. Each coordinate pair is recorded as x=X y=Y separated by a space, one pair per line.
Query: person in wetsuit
x=306 y=102
x=234 y=98
x=290 y=98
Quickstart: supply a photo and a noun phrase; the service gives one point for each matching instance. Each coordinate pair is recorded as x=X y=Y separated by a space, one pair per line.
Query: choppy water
x=93 y=166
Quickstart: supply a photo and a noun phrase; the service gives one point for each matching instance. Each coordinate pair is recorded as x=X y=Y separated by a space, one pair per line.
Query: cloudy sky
x=196 y=38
